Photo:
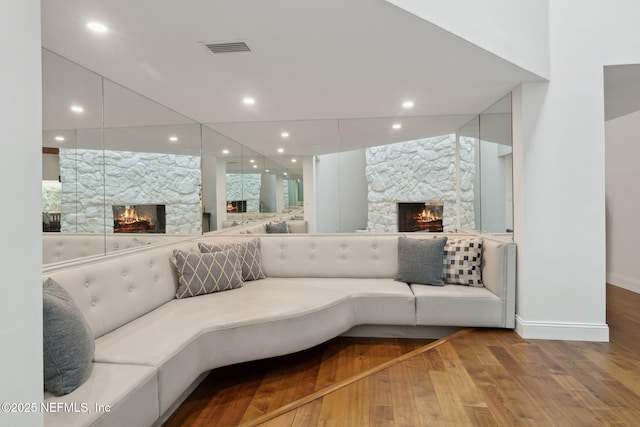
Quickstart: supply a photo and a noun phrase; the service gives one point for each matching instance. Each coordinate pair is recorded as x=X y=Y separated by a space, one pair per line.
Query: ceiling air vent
x=231 y=47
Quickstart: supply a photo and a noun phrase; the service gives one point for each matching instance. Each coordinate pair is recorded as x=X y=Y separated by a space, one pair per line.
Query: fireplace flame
x=427 y=215
x=130 y=216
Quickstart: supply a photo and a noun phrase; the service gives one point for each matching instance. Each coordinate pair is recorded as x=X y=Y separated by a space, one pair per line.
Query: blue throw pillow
x=420 y=260
x=68 y=343
x=277 y=227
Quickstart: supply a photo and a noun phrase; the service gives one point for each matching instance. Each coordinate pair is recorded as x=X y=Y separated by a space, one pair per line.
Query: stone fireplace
x=421 y=217
x=139 y=218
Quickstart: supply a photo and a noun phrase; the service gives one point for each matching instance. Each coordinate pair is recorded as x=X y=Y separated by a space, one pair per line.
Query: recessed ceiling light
x=285 y=134
x=249 y=101
x=251 y=161
x=59 y=138
x=97 y=27
x=407 y=104
x=293 y=160
x=173 y=138
x=225 y=151
x=77 y=109
x=396 y=126
x=255 y=166
x=280 y=150
x=285 y=174
x=266 y=170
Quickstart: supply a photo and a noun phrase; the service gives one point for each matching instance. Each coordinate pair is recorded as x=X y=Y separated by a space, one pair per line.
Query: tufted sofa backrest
x=119 y=288
x=329 y=255
x=58 y=247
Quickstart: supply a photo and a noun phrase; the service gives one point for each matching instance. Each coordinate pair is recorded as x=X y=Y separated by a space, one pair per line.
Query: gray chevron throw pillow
x=200 y=274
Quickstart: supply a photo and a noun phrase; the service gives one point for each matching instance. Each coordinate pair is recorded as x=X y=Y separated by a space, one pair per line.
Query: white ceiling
x=311 y=62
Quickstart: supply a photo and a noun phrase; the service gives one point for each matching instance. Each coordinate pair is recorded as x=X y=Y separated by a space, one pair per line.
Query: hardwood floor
x=475 y=378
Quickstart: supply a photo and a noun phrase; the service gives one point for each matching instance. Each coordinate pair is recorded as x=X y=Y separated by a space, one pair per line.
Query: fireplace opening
x=420 y=217
x=236 y=206
x=139 y=218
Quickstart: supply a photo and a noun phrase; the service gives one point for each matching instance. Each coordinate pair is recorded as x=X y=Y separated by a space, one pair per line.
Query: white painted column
x=21 y=262
x=309 y=186
x=221 y=192
x=559 y=184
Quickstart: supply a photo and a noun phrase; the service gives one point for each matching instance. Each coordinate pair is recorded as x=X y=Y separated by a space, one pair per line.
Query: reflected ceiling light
x=266 y=170
x=77 y=109
x=248 y=101
x=407 y=104
x=173 y=138
x=285 y=134
x=396 y=126
x=251 y=161
x=97 y=27
x=59 y=138
x=285 y=174
x=225 y=151
x=255 y=166
x=281 y=150
x=293 y=160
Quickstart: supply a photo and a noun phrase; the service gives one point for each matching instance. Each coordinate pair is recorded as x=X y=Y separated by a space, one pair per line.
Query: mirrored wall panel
x=120 y=170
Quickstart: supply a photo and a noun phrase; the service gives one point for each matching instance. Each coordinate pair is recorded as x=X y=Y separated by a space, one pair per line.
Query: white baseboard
x=627 y=283
x=596 y=332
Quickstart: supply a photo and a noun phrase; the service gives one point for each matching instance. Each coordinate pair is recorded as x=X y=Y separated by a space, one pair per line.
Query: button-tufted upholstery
x=152 y=347
x=57 y=247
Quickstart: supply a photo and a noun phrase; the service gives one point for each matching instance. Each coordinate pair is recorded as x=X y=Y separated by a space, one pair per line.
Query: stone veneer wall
x=245 y=186
x=131 y=178
x=419 y=171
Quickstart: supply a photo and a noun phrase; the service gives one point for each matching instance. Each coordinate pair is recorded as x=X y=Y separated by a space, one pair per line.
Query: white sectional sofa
x=152 y=349
x=59 y=247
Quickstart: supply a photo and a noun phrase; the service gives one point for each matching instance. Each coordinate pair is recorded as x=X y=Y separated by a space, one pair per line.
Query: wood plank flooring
x=476 y=378
x=241 y=393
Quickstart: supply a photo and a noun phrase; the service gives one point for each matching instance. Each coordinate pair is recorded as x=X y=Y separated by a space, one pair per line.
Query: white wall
x=20 y=147
x=353 y=191
x=514 y=30
x=493 y=188
x=341 y=192
x=209 y=187
x=621 y=32
x=50 y=167
x=623 y=200
x=558 y=157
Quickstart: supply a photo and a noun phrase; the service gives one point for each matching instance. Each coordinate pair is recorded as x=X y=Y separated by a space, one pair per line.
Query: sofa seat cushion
x=265 y=318
x=457 y=305
x=130 y=391
x=377 y=301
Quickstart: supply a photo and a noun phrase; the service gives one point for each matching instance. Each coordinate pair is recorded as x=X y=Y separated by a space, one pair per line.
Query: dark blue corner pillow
x=68 y=343
x=420 y=260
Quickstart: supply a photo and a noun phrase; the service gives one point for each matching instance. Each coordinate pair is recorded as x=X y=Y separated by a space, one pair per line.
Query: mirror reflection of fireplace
x=236 y=205
x=139 y=218
x=420 y=217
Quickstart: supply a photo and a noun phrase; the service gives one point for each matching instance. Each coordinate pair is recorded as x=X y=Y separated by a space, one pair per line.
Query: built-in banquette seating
x=151 y=349
x=59 y=247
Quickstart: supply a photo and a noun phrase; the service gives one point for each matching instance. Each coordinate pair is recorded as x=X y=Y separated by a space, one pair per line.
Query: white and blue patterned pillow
x=462 y=262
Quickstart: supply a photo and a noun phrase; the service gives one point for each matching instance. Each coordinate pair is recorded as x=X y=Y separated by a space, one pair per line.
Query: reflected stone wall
x=245 y=186
x=419 y=171
x=132 y=178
